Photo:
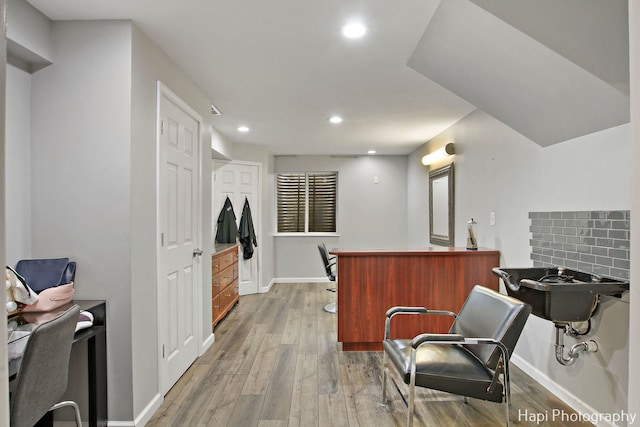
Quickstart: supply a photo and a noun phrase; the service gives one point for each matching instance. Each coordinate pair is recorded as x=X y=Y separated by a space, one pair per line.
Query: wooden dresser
x=224 y=281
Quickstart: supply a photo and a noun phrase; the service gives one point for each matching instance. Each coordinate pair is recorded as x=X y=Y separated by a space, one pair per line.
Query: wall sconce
x=439 y=154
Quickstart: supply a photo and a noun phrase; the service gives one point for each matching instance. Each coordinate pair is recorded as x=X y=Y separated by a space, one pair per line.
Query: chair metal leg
x=506 y=409
x=507 y=400
x=384 y=377
x=507 y=389
x=412 y=389
x=412 y=395
x=74 y=405
x=331 y=308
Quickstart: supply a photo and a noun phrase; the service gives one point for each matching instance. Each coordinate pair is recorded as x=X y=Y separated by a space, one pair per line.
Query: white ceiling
x=282 y=67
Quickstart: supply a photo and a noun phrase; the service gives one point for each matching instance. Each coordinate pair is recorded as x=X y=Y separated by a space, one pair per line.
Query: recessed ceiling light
x=354 y=30
x=243 y=129
x=371 y=152
x=335 y=119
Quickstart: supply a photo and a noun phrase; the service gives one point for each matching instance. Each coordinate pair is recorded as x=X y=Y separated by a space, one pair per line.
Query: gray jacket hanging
x=247 y=234
x=227 y=228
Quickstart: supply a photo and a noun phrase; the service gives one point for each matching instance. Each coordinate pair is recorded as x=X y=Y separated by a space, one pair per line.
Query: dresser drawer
x=226 y=277
x=227 y=260
x=215 y=285
x=224 y=282
x=228 y=295
x=235 y=290
x=215 y=307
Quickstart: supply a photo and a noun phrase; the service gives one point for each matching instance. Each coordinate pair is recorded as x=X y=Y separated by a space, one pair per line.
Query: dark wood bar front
x=371 y=281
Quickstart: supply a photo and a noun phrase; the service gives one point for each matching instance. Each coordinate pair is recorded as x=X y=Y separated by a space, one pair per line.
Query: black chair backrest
x=489 y=314
x=328 y=266
x=42 y=378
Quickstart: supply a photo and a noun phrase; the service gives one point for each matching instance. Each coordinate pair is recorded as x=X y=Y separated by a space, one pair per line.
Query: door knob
x=197 y=252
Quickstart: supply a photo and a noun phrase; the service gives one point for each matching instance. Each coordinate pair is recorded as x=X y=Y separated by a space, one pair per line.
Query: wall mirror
x=441 y=206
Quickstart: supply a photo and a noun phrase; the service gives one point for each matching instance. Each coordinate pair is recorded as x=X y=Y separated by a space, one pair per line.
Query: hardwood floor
x=275 y=362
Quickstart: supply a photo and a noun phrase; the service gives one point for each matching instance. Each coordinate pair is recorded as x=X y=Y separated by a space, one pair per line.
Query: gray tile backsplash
x=591 y=241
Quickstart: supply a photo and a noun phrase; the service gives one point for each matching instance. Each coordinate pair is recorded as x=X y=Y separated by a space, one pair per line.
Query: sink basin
x=559 y=294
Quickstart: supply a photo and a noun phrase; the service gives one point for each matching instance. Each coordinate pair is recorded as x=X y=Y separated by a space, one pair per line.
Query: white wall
x=29 y=41
x=499 y=170
x=18 y=165
x=634 y=329
x=86 y=188
x=92 y=124
x=149 y=65
x=369 y=215
x=81 y=174
x=28 y=34
x=221 y=147
x=4 y=371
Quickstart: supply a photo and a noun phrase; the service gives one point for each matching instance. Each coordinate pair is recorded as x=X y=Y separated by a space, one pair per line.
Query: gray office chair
x=329 y=263
x=469 y=360
x=42 y=378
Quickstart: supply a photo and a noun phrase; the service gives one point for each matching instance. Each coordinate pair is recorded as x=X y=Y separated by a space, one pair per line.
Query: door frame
x=259 y=210
x=164 y=91
x=4 y=377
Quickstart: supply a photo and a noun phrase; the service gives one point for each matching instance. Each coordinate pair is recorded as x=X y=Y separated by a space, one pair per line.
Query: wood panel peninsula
x=370 y=281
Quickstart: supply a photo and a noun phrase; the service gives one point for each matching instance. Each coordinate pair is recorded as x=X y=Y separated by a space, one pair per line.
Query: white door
x=179 y=265
x=240 y=181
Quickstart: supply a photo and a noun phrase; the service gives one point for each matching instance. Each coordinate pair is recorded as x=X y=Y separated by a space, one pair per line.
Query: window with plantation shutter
x=307 y=202
x=322 y=202
x=292 y=197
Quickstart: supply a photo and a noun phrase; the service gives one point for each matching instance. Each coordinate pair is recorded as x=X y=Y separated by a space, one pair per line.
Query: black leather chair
x=329 y=263
x=472 y=360
x=42 y=378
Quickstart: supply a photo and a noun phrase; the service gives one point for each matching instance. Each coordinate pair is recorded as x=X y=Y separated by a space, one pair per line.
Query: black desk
x=96 y=339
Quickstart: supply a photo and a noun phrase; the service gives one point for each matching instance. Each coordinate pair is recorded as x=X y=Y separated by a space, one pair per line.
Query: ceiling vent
x=215 y=111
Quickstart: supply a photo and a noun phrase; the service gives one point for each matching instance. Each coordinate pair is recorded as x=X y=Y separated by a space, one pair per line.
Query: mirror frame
x=438 y=239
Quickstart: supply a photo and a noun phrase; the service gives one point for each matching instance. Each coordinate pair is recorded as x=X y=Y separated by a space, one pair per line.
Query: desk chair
x=468 y=361
x=42 y=378
x=329 y=263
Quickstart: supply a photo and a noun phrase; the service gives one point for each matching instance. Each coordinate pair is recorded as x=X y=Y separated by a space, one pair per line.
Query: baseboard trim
x=146 y=414
x=556 y=389
x=300 y=280
x=264 y=290
x=207 y=344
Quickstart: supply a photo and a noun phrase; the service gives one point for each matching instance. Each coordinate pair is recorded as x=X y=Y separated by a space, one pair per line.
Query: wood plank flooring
x=275 y=362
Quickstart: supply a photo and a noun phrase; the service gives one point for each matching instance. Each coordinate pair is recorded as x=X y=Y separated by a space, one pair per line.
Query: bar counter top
x=430 y=250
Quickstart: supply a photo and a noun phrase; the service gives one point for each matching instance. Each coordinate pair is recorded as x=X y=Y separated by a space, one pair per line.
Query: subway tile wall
x=591 y=241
